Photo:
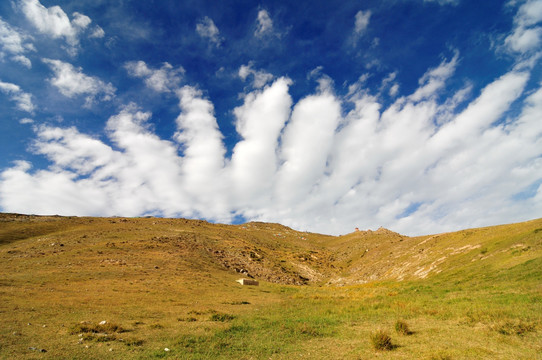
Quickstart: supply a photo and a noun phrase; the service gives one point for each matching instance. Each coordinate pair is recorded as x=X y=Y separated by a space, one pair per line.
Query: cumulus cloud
x=53 y=21
x=418 y=164
x=259 y=77
x=254 y=161
x=264 y=24
x=72 y=82
x=15 y=44
x=203 y=154
x=206 y=28
x=22 y=99
x=89 y=177
x=165 y=79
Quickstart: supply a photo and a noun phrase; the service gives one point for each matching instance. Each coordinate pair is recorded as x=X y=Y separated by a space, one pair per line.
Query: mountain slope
x=170 y=283
x=271 y=252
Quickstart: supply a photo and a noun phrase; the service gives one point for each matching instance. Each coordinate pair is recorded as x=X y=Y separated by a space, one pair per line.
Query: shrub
x=381 y=340
x=402 y=328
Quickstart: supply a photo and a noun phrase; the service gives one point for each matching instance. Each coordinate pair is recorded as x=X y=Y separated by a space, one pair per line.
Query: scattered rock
x=166 y=350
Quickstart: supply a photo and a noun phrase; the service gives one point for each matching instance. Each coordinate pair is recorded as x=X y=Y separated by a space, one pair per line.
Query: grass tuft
x=221 y=317
x=401 y=327
x=381 y=341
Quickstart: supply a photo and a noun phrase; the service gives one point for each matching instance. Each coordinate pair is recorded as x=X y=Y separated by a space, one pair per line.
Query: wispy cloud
x=72 y=82
x=259 y=77
x=15 y=44
x=22 y=99
x=207 y=29
x=165 y=79
x=264 y=24
x=362 y=22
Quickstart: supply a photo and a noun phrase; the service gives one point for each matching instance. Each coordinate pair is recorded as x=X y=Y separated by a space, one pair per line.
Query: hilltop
x=164 y=280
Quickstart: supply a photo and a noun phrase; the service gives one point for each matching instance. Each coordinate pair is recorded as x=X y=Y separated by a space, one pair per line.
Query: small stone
x=166 y=349
x=44 y=326
x=110 y=349
x=103 y=322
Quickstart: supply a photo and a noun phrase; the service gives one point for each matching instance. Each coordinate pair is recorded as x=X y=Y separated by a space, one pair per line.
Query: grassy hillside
x=166 y=289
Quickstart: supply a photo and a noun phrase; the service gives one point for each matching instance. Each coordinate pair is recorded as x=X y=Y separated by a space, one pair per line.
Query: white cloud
x=390 y=85
x=260 y=77
x=422 y=164
x=206 y=28
x=203 y=154
x=53 y=21
x=98 y=33
x=254 y=161
x=530 y=13
x=15 y=44
x=26 y=121
x=526 y=36
x=23 y=100
x=306 y=144
x=434 y=79
x=265 y=24
x=362 y=22
x=71 y=82
x=165 y=79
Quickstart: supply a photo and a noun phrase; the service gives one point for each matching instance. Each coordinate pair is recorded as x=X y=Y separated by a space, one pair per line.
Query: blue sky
x=420 y=116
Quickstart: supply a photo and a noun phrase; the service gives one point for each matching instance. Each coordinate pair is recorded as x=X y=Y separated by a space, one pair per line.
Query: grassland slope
x=170 y=283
